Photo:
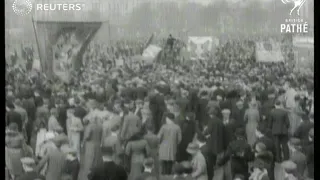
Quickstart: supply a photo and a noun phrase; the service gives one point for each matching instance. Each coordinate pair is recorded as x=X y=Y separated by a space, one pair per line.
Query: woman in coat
x=295 y=116
x=91 y=148
x=199 y=166
x=169 y=137
x=251 y=118
x=13 y=151
x=75 y=127
x=153 y=143
x=137 y=149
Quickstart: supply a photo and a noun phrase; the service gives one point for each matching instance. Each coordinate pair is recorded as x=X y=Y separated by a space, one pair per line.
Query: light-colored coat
x=251 y=118
x=169 y=136
x=199 y=167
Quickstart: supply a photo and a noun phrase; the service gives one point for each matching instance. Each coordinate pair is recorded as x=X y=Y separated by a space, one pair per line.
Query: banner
x=151 y=52
x=199 y=47
x=268 y=51
x=62 y=44
x=304 y=53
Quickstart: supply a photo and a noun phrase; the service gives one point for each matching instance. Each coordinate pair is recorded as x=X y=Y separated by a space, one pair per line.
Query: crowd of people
x=223 y=120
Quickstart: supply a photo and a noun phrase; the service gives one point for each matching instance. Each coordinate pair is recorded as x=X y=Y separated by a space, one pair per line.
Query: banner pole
x=35 y=33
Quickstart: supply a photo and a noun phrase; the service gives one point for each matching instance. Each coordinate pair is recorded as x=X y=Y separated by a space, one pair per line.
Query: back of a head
x=106 y=151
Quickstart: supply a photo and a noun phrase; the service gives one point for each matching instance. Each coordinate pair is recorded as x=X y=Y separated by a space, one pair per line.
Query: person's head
x=226 y=113
x=311 y=135
x=54 y=112
x=297 y=98
x=239 y=177
x=193 y=149
x=278 y=104
x=107 y=152
x=190 y=116
x=240 y=133
x=115 y=129
x=148 y=163
x=201 y=138
x=294 y=144
x=259 y=148
x=28 y=164
x=10 y=106
x=289 y=167
x=169 y=118
x=239 y=104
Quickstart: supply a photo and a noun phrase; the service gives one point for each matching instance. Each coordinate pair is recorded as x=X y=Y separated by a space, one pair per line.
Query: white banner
x=268 y=51
x=198 y=47
x=151 y=51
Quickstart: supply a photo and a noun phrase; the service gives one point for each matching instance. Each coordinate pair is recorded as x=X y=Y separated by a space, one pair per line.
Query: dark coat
x=147 y=176
x=238 y=115
x=279 y=122
x=239 y=153
x=268 y=142
x=30 y=107
x=14 y=117
x=31 y=176
x=188 y=130
x=72 y=168
x=216 y=133
x=309 y=151
x=62 y=118
x=201 y=111
x=80 y=112
x=210 y=160
x=109 y=170
x=157 y=107
x=228 y=131
x=302 y=132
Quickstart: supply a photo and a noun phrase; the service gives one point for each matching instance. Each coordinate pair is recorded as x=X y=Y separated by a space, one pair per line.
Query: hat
x=240 y=132
x=193 y=148
x=289 y=166
x=149 y=162
x=28 y=161
x=258 y=163
x=261 y=147
x=170 y=116
x=239 y=103
x=226 y=111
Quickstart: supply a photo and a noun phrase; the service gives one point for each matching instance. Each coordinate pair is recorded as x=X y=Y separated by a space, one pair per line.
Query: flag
x=61 y=45
x=268 y=51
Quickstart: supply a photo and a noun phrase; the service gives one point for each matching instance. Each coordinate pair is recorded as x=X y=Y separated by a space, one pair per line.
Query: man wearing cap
x=289 y=168
x=239 y=153
x=169 y=136
x=279 y=124
x=302 y=132
x=30 y=173
x=109 y=169
x=229 y=127
x=199 y=166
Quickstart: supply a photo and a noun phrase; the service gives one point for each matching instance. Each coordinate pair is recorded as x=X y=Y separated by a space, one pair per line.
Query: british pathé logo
x=22 y=7
x=297 y=5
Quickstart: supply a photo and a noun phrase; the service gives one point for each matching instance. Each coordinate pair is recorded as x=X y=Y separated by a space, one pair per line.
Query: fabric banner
x=304 y=53
x=199 y=47
x=62 y=44
x=268 y=51
x=151 y=52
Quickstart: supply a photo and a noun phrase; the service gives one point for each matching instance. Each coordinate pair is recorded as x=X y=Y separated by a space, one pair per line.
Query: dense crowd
x=231 y=119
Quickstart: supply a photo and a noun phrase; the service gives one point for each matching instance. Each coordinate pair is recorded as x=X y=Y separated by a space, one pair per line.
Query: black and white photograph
x=159 y=89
